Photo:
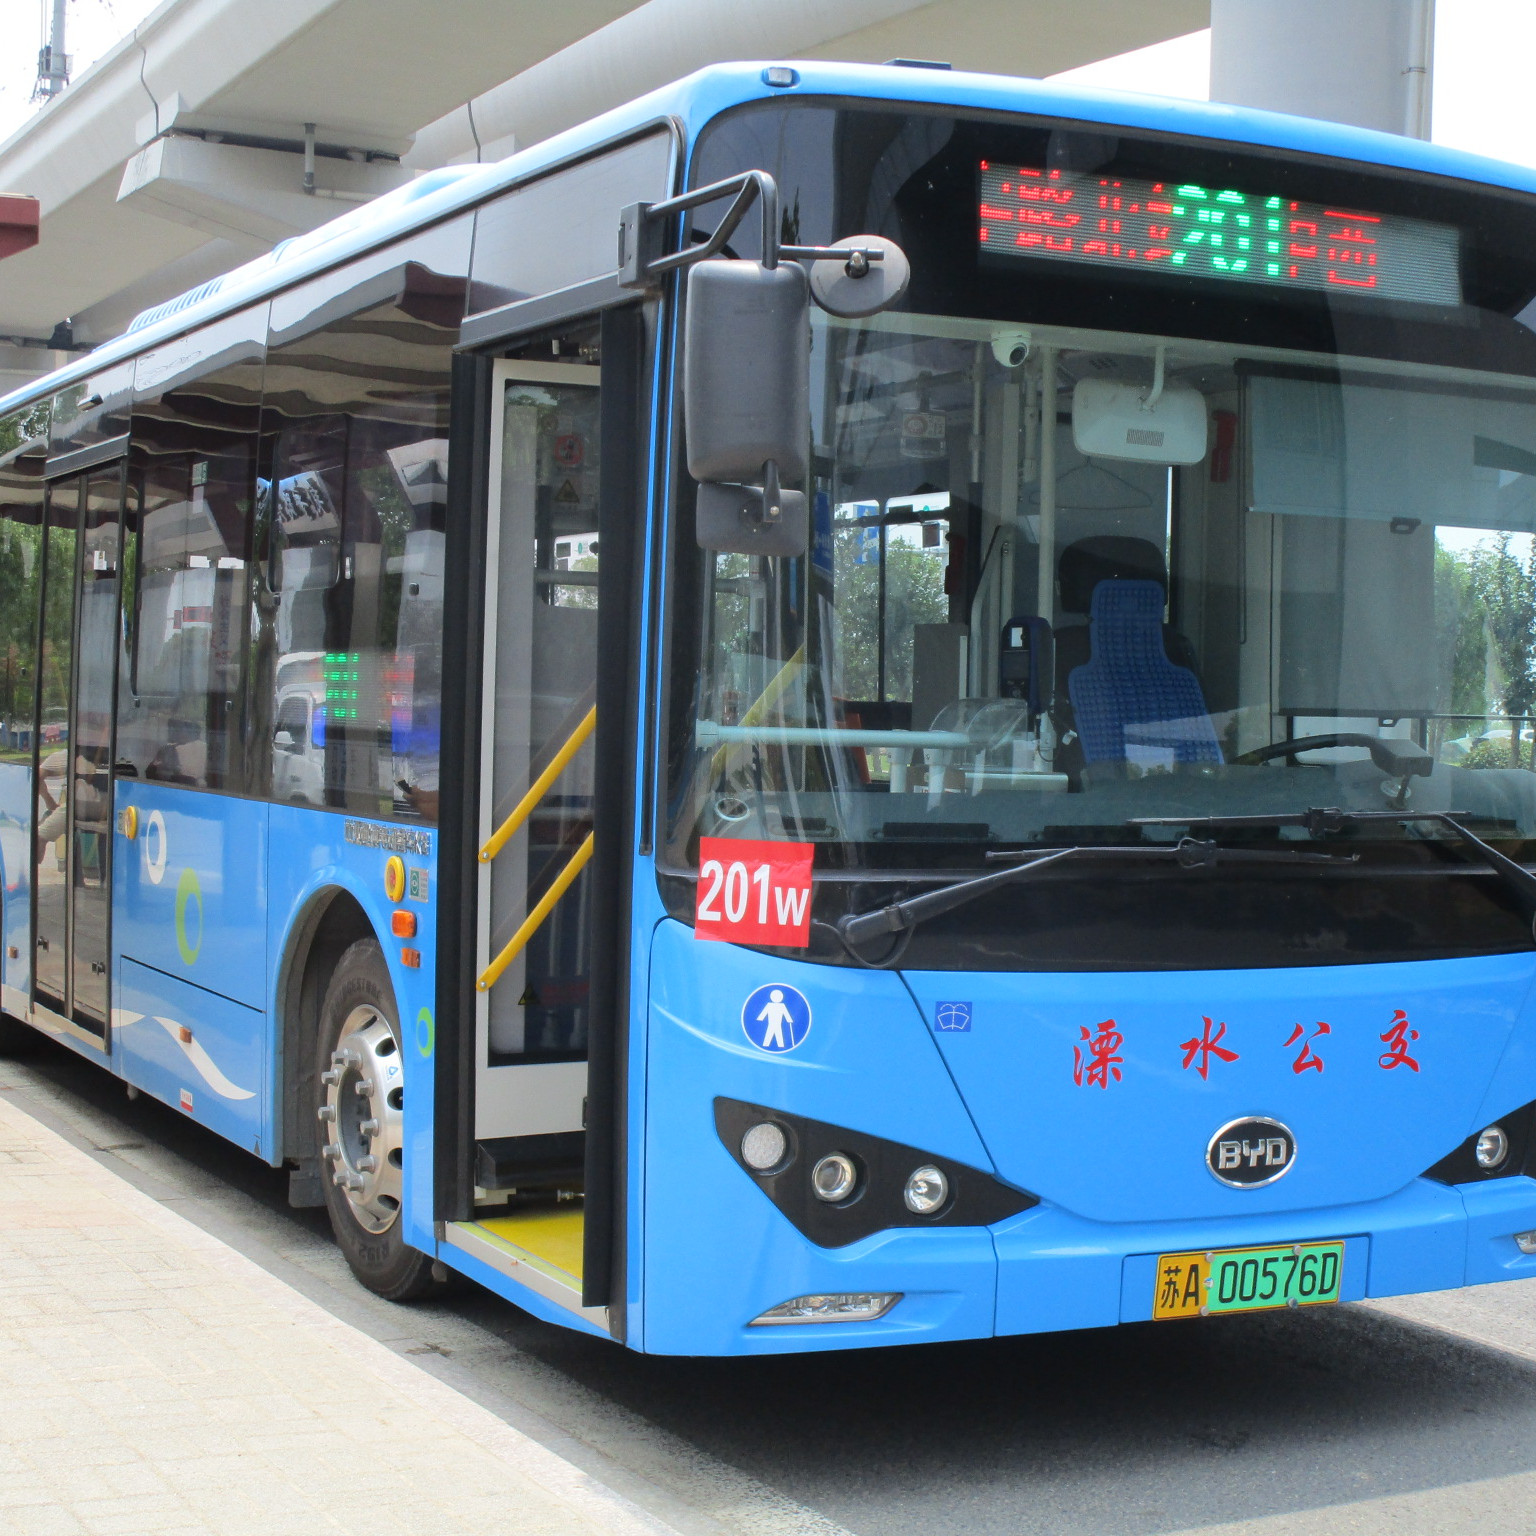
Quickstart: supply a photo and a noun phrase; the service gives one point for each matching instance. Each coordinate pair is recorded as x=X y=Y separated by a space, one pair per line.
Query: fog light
x=927 y=1189
x=764 y=1146
x=1492 y=1148
x=858 y=1306
x=1525 y=1242
x=834 y=1177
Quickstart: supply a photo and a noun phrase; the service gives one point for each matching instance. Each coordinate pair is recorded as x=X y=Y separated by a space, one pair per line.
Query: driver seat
x=1130 y=702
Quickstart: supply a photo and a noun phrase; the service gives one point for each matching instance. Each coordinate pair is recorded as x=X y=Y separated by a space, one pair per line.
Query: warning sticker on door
x=754 y=892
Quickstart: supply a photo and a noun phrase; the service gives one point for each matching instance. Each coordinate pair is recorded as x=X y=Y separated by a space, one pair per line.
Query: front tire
x=360 y=1098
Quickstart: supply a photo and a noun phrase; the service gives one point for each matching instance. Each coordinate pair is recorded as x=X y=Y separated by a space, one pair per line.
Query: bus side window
x=356 y=501
x=186 y=569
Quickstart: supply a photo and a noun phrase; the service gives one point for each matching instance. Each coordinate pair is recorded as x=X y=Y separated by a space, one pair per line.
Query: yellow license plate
x=1247 y=1279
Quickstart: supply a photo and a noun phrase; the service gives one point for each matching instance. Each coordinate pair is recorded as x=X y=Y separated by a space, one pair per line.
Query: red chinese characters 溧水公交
x=1101 y=1061
x=1308 y=1060
x=1396 y=1041
x=1205 y=1045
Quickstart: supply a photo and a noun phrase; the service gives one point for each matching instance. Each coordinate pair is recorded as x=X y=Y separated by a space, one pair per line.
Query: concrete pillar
x=1365 y=62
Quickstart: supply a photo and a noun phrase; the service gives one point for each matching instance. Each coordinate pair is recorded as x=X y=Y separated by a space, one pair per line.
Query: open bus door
x=548 y=826
x=72 y=841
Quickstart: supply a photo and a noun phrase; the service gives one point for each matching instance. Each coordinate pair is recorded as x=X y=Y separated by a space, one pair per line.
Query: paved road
x=1401 y=1417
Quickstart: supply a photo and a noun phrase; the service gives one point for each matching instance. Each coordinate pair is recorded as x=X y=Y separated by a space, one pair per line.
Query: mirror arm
x=640 y=227
x=772 y=497
x=641 y=232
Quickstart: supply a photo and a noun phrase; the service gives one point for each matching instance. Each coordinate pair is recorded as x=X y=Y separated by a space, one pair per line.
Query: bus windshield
x=1090 y=548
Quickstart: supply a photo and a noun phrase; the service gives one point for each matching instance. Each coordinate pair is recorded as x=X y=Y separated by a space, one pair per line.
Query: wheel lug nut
x=369 y=1127
x=331 y=1078
x=368 y=1163
x=364 y=1089
x=326 y=1113
x=331 y=1151
x=355 y=1183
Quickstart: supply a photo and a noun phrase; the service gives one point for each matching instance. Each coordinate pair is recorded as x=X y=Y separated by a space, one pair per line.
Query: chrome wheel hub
x=362 y=1118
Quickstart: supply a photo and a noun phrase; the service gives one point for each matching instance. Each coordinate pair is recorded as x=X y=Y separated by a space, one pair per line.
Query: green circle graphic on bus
x=188 y=891
x=426 y=1034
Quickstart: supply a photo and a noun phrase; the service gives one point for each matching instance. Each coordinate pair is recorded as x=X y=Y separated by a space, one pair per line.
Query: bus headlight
x=860 y=1306
x=834 y=1178
x=1492 y=1147
x=927 y=1189
x=837 y=1185
x=764 y=1146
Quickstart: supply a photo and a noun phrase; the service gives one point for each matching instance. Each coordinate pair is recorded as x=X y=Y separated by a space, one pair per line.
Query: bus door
x=550 y=803
x=72 y=843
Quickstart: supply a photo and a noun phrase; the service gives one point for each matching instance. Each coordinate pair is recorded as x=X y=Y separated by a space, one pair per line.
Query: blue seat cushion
x=1130 y=702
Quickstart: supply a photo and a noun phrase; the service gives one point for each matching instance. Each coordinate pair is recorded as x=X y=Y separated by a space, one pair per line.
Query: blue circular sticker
x=776 y=1018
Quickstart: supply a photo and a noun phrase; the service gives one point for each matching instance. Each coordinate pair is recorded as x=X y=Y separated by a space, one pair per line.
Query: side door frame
x=81 y=467
x=622 y=504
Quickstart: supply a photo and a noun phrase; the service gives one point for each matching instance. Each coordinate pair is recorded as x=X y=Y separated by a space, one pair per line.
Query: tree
x=1460 y=634
x=914 y=594
x=1506 y=587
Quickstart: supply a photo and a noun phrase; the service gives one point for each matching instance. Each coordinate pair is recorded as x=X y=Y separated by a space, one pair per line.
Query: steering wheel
x=1395 y=756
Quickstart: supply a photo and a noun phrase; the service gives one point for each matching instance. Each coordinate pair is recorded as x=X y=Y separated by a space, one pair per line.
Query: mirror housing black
x=747 y=404
x=732 y=520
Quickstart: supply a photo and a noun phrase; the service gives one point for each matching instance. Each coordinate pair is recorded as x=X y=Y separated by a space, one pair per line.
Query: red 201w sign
x=754 y=892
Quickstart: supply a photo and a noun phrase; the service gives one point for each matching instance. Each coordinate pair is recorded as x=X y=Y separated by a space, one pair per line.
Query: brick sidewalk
x=153 y=1380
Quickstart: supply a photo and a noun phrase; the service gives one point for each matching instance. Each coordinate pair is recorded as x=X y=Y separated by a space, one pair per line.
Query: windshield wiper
x=901 y=917
x=1321 y=820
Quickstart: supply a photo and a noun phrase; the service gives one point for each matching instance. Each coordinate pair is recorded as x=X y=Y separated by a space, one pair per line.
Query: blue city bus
x=852 y=705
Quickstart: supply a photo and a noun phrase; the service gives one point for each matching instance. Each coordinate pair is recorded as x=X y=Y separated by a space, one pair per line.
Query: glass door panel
x=51 y=849
x=96 y=630
x=541 y=686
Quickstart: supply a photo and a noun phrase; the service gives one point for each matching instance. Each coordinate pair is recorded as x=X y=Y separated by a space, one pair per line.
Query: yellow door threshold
x=548 y=1238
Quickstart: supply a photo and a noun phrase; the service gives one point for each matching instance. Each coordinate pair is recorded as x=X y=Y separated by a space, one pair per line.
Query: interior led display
x=1077 y=216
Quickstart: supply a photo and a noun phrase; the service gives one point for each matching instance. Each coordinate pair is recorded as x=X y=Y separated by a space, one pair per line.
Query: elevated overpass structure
x=217 y=128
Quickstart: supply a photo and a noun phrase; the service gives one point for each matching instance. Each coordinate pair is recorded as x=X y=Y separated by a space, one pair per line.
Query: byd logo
x=1251 y=1152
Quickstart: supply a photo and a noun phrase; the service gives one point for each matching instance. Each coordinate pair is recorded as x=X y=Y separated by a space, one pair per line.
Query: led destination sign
x=1076 y=216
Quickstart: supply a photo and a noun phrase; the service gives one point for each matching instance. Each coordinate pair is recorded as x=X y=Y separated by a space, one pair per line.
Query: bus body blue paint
x=15 y=875
x=868 y=1063
x=1134 y=1148
x=331 y=863
x=196 y=1051
x=191 y=895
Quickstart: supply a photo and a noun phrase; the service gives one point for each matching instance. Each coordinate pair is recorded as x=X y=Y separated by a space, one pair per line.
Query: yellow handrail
x=492 y=973
x=536 y=791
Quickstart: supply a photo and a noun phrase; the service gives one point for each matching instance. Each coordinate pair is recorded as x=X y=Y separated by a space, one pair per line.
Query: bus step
x=553 y=1161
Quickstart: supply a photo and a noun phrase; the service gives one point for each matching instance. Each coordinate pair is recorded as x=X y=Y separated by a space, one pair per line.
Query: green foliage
x=1488 y=753
x=914 y=594
x=23 y=426
x=1460 y=635
x=1506 y=586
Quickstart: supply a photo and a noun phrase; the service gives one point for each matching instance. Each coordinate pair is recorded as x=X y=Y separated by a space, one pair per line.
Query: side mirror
x=747 y=404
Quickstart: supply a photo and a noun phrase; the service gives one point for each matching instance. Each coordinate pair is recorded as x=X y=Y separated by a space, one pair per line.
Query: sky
x=90 y=29
x=1484 y=50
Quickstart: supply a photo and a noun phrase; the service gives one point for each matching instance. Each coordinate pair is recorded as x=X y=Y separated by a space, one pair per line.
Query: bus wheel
x=359 y=1102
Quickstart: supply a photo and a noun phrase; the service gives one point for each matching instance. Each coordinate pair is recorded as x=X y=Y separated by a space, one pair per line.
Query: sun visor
x=1115 y=421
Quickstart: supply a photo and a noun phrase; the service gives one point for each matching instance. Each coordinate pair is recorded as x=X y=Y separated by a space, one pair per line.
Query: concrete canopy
x=368 y=73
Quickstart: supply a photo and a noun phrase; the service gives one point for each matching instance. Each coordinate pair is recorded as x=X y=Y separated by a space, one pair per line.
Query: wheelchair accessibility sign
x=776 y=1018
